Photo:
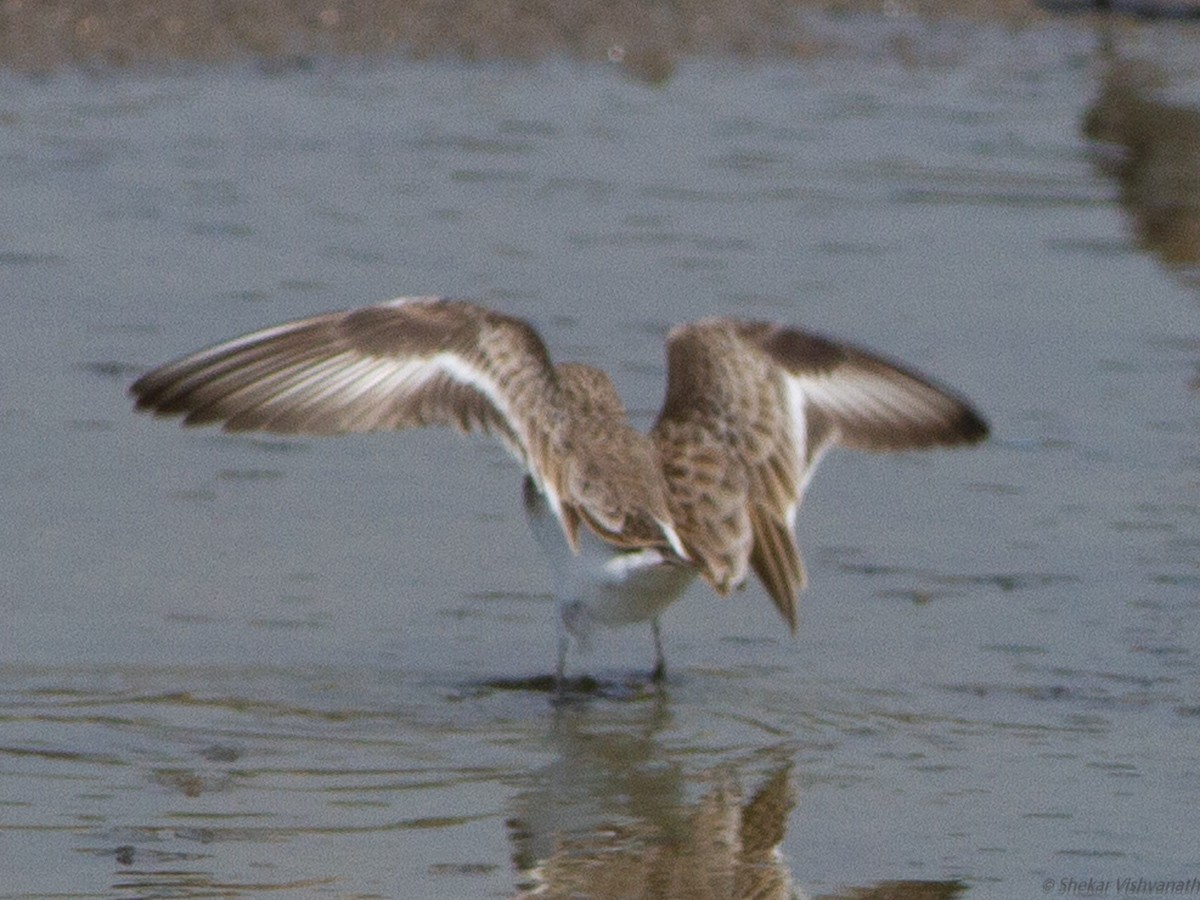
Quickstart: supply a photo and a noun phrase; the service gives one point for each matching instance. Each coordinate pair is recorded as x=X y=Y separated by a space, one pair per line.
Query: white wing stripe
x=806 y=459
x=798 y=409
x=458 y=369
x=308 y=384
x=865 y=397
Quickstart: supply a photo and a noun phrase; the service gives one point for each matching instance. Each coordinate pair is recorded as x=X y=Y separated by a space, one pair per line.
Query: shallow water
x=237 y=666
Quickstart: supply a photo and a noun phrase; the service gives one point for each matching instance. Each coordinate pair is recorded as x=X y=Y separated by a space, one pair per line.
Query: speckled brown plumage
x=749 y=410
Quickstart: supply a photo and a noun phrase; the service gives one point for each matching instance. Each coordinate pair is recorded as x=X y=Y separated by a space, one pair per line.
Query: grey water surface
x=250 y=666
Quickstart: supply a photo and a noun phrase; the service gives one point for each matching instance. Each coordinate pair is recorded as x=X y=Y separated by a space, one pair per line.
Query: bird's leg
x=660 y=661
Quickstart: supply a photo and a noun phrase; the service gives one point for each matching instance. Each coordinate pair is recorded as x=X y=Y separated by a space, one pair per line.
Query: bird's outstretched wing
x=749 y=410
x=408 y=362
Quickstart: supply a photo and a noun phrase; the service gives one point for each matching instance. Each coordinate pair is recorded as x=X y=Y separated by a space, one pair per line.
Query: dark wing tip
x=948 y=419
x=147 y=396
x=156 y=395
x=956 y=424
x=970 y=427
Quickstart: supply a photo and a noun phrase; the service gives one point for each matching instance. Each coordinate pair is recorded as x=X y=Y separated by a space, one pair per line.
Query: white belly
x=602 y=585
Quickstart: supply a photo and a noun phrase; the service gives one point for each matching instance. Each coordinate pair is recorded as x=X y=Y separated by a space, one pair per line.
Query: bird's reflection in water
x=619 y=814
x=1157 y=164
x=614 y=816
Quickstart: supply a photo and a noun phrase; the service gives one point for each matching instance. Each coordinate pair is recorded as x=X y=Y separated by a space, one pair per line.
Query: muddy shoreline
x=646 y=37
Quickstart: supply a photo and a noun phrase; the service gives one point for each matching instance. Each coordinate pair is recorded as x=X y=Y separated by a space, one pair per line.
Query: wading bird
x=627 y=519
